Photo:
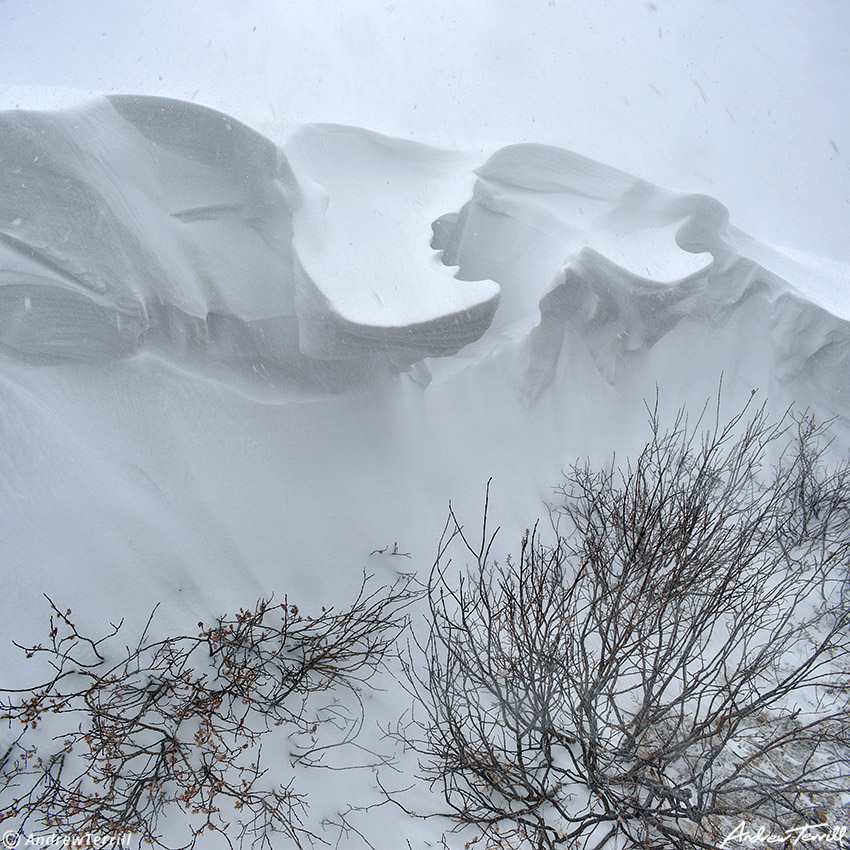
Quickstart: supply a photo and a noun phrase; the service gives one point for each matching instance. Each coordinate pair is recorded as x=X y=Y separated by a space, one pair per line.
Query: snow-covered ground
x=241 y=350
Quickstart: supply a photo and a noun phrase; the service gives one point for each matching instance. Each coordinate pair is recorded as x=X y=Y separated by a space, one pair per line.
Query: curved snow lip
x=142 y=224
x=366 y=276
x=617 y=265
x=147 y=224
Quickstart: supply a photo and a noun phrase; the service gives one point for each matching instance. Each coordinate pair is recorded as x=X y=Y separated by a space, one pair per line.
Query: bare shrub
x=176 y=725
x=817 y=493
x=817 y=507
x=662 y=670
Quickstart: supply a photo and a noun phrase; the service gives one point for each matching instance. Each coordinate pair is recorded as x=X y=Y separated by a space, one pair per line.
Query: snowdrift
x=227 y=361
x=143 y=224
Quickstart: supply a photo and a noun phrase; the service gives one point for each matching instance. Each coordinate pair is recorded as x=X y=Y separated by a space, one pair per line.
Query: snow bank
x=174 y=288
x=367 y=279
x=143 y=224
x=588 y=254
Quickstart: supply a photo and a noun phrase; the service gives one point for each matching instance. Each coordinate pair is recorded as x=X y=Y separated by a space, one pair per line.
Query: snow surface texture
x=144 y=224
x=231 y=367
x=207 y=333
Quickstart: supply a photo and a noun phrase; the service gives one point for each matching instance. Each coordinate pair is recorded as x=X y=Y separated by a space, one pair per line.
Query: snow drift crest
x=144 y=224
x=141 y=223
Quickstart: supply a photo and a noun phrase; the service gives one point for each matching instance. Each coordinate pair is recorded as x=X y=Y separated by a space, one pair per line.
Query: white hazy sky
x=745 y=101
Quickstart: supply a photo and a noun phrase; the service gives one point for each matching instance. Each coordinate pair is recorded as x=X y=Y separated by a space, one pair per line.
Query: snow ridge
x=140 y=224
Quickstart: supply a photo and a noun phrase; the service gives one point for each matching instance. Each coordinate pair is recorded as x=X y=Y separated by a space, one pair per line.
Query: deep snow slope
x=216 y=351
x=231 y=367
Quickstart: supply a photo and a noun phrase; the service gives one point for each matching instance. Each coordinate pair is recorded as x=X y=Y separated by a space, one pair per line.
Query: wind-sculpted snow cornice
x=141 y=223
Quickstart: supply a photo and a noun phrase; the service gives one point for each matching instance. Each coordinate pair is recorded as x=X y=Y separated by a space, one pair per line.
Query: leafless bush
x=661 y=671
x=177 y=725
x=817 y=492
x=817 y=504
